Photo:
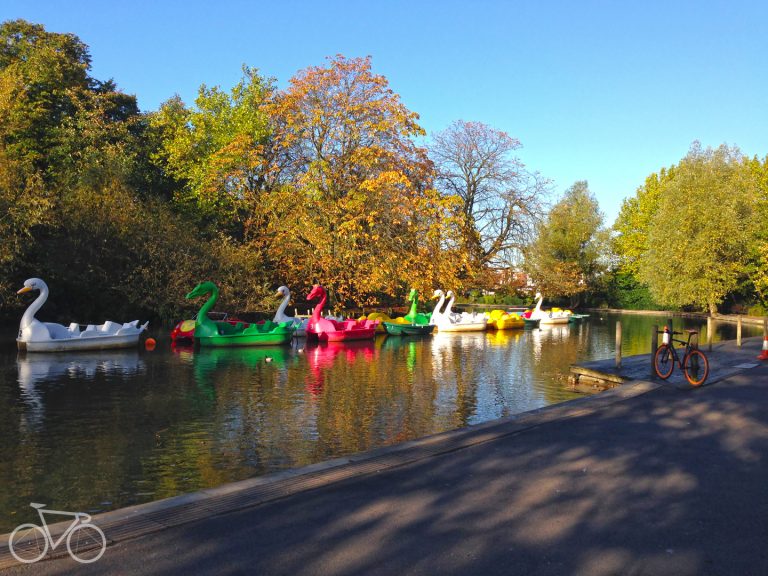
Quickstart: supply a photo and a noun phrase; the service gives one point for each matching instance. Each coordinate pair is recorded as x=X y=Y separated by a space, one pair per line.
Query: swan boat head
x=202 y=289
x=316 y=292
x=33 y=284
x=284 y=292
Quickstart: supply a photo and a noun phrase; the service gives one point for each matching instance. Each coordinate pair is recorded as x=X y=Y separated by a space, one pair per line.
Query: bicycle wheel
x=695 y=367
x=86 y=543
x=663 y=361
x=28 y=543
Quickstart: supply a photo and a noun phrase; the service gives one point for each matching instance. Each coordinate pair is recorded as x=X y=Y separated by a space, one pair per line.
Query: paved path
x=671 y=481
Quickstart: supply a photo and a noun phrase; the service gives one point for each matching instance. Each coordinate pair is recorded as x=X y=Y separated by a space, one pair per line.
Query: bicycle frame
x=80 y=518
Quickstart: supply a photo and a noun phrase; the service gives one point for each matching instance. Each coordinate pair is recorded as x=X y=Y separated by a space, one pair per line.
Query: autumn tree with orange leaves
x=354 y=207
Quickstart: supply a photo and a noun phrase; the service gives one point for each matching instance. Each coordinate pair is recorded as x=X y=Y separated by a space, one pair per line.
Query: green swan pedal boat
x=395 y=329
x=413 y=323
x=210 y=333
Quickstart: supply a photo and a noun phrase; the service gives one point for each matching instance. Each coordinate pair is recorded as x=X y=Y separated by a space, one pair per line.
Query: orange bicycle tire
x=663 y=361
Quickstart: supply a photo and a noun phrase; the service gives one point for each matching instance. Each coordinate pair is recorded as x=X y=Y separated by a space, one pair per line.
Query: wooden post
x=709 y=333
x=738 y=331
x=654 y=344
x=618 y=344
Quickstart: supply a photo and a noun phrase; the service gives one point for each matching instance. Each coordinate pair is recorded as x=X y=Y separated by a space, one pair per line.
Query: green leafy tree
x=637 y=213
x=216 y=152
x=569 y=252
x=699 y=238
x=41 y=76
x=758 y=270
x=75 y=198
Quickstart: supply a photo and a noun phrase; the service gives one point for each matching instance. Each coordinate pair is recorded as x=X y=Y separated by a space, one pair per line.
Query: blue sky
x=603 y=91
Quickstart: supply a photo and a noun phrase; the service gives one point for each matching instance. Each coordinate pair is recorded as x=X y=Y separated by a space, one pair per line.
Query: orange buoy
x=150 y=344
x=764 y=353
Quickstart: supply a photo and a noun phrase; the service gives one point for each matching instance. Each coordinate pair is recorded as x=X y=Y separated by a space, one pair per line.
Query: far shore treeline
x=333 y=180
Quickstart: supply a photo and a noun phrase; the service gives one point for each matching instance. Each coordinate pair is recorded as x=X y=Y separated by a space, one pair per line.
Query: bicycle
x=29 y=542
x=694 y=363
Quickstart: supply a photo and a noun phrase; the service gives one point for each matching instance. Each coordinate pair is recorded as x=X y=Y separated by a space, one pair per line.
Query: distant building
x=507 y=280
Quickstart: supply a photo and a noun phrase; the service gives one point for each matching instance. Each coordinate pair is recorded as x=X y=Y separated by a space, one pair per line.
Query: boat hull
x=184 y=331
x=75 y=344
x=556 y=320
x=343 y=335
x=459 y=327
x=531 y=322
x=395 y=329
x=506 y=323
x=266 y=339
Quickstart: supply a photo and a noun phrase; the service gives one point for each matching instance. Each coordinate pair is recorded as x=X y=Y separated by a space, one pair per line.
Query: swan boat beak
x=25 y=289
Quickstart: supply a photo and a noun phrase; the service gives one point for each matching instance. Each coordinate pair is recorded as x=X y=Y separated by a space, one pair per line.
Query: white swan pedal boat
x=449 y=321
x=280 y=316
x=554 y=316
x=36 y=336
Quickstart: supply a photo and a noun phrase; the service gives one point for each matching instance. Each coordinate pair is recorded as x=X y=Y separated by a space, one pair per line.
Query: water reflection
x=322 y=357
x=36 y=371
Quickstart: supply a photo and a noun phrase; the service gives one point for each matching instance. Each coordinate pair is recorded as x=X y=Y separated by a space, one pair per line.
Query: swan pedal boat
x=449 y=321
x=413 y=318
x=398 y=329
x=413 y=323
x=210 y=333
x=328 y=330
x=36 y=336
x=554 y=316
x=299 y=324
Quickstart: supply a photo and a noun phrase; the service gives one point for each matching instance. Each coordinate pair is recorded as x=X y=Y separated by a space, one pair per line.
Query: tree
x=501 y=201
x=758 y=269
x=216 y=152
x=53 y=70
x=635 y=218
x=569 y=252
x=353 y=206
x=41 y=76
x=699 y=238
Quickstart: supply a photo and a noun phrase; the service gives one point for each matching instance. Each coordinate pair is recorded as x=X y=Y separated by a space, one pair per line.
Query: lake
x=97 y=431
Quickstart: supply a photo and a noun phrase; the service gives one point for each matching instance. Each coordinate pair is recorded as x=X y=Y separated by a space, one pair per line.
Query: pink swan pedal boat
x=328 y=330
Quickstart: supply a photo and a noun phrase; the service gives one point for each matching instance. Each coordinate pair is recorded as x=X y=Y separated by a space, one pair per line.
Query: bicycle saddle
x=36 y=505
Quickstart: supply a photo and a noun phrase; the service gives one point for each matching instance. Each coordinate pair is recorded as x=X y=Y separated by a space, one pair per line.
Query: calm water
x=94 y=432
